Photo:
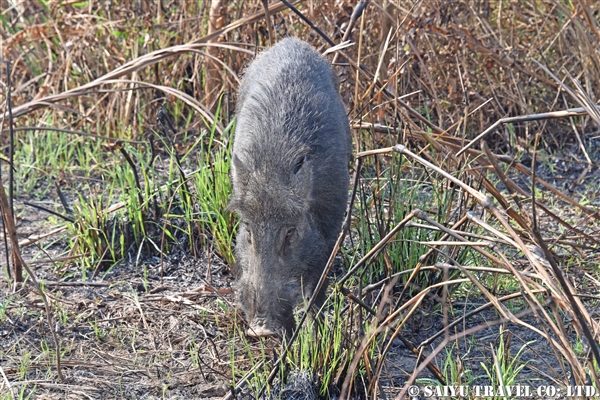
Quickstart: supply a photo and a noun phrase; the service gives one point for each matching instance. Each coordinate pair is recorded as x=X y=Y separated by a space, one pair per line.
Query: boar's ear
x=302 y=177
x=239 y=176
x=239 y=172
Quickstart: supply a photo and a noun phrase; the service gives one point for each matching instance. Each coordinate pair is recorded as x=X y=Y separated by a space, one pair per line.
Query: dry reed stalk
x=216 y=20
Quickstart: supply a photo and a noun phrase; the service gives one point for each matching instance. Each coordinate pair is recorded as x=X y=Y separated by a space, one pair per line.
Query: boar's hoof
x=259 y=328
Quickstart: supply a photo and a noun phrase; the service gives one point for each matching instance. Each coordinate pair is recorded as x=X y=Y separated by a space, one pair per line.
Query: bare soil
x=167 y=327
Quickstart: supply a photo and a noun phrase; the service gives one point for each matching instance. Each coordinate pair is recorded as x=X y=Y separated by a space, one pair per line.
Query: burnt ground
x=167 y=327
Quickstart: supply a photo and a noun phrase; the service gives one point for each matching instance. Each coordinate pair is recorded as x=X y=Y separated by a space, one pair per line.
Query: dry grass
x=507 y=225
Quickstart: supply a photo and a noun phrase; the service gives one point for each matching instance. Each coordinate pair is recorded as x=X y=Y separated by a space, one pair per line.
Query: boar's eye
x=299 y=164
x=290 y=235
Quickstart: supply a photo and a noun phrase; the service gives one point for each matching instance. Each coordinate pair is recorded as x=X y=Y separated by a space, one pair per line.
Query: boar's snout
x=261 y=327
x=269 y=310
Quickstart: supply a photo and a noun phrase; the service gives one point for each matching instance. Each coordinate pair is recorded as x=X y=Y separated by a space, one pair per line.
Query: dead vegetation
x=475 y=205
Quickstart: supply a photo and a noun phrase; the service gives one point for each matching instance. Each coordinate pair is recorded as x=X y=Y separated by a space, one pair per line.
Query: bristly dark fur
x=290 y=177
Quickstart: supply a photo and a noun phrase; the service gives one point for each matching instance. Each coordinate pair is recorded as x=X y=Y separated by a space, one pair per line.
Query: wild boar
x=289 y=170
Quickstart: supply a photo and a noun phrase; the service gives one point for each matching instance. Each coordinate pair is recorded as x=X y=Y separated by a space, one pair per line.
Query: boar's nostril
x=258 y=328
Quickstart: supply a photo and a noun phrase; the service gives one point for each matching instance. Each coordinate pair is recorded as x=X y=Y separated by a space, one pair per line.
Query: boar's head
x=279 y=250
